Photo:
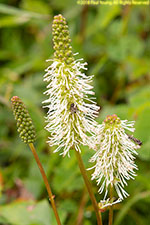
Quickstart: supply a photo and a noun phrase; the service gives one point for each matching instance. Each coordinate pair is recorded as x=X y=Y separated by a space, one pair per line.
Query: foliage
x=115 y=41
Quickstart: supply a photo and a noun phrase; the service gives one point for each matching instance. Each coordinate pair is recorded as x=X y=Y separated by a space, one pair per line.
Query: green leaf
x=144 y=152
x=143 y=125
x=124 y=210
x=138 y=66
x=140 y=97
x=27 y=213
x=67 y=176
x=143 y=132
x=9 y=21
x=68 y=206
x=37 y=6
x=119 y=50
x=10 y=10
x=104 y=17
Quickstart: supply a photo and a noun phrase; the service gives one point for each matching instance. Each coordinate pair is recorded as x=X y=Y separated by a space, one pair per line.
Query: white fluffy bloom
x=70 y=118
x=114 y=159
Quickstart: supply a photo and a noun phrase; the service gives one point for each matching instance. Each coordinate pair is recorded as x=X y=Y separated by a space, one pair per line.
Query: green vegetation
x=115 y=41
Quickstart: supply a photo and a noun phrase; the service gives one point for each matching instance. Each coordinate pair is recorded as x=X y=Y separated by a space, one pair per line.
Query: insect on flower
x=136 y=141
x=73 y=108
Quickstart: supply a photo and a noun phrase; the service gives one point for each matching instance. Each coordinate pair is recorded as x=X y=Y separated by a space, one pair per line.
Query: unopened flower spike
x=71 y=114
x=24 y=122
x=114 y=159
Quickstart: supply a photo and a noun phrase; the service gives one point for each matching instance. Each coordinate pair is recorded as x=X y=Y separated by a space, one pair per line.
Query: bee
x=73 y=108
x=138 y=142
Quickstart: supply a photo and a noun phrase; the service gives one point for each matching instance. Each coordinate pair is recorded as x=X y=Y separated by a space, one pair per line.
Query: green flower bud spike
x=61 y=40
x=27 y=134
x=24 y=122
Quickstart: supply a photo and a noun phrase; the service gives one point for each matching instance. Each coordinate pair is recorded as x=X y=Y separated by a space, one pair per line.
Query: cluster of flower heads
x=71 y=113
x=71 y=119
x=114 y=159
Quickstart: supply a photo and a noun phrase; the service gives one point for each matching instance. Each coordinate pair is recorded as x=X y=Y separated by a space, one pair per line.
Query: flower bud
x=62 y=40
x=24 y=122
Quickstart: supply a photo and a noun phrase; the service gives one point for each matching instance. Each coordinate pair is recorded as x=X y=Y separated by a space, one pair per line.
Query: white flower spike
x=115 y=157
x=71 y=114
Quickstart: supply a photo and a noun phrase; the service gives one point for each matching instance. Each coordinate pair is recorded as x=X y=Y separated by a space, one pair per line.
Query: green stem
x=51 y=196
x=89 y=188
x=111 y=207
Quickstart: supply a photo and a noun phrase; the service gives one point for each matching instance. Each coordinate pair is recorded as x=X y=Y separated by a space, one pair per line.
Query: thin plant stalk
x=89 y=188
x=111 y=207
x=51 y=196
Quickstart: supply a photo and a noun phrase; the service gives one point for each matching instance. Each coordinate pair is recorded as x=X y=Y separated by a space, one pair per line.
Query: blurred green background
x=115 y=41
